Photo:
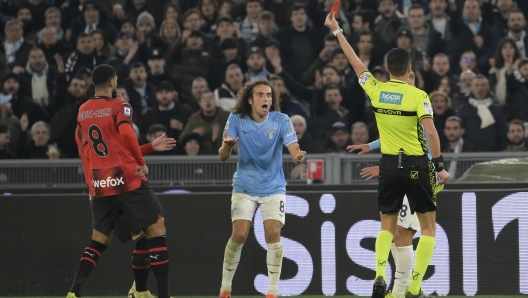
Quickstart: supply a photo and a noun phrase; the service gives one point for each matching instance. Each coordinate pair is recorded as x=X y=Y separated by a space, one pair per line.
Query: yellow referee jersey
x=399 y=108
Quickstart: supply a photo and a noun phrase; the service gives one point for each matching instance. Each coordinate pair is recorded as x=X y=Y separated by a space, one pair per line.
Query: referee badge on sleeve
x=127 y=111
x=364 y=77
x=428 y=109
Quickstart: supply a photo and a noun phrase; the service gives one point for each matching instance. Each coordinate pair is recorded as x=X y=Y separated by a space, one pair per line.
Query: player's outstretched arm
x=296 y=153
x=434 y=146
x=357 y=64
x=227 y=145
x=364 y=148
x=370 y=172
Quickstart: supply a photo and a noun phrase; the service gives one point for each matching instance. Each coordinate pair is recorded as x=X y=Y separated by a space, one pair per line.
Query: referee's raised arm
x=353 y=58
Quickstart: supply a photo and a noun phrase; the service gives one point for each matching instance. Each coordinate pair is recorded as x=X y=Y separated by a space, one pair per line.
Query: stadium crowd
x=180 y=64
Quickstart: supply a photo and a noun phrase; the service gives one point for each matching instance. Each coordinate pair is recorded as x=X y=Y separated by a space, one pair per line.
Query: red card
x=335 y=7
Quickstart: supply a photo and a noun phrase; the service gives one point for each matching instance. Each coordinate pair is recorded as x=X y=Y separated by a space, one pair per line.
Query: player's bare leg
x=389 y=221
x=402 y=252
x=424 y=251
x=159 y=257
x=232 y=254
x=89 y=259
x=274 y=256
x=140 y=267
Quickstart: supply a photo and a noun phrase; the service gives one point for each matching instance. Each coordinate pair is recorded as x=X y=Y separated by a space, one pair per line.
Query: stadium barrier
x=175 y=171
x=328 y=240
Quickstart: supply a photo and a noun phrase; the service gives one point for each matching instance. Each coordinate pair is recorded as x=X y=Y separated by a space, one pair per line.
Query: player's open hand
x=443 y=177
x=229 y=142
x=363 y=148
x=331 y=22
x=162 y=143
x=141 y=170
x=370 y=172
x=299 y=156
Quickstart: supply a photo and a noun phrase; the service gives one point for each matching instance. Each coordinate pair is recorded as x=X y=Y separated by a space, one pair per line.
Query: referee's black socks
x=141 y=263
x=159 y=263
x=89 y=259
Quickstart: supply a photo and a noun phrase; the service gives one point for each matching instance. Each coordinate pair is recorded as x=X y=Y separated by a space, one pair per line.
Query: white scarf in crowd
x=11 y=48
x=483 y=111
x=39 y=86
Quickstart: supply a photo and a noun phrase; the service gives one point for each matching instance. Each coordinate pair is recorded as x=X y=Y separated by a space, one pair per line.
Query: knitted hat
x=145 y=18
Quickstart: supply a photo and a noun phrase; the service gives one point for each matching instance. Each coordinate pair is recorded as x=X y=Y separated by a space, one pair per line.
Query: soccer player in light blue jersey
x=260 y=130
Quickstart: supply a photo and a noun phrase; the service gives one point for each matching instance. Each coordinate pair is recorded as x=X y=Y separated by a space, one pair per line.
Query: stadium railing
x=335 y=168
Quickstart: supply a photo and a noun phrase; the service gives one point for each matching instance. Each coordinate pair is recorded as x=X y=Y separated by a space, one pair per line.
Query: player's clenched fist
x=141 y=170
x=299 y=157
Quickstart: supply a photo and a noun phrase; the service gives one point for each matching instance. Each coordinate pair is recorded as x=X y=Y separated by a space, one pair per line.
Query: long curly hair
x=243 y=108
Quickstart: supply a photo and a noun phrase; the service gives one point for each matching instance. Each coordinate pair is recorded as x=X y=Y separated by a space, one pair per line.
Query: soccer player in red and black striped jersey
x=109 y=148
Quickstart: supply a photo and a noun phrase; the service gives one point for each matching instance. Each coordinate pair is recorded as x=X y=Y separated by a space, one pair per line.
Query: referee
x=404 y=116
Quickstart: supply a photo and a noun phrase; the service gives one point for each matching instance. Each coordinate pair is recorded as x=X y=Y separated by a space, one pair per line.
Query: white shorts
x=406 y=219
x=243 y=206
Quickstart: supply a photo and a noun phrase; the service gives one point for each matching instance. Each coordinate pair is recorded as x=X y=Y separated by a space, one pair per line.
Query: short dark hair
x=456 y=118
x=516 y=122
x=363 y=33
x=83 y=35
x=368 y=16
x=205 y=91
x=330 y=37
x=154 y=128
x=522 y=63
x=259 y=1
x=516 y=9
x=3 y=129
x=393 y=1
x=137 y=65
x=417 y=6
x=295 y=7
x=102 y=74
x=398 y=61
x=332 y=87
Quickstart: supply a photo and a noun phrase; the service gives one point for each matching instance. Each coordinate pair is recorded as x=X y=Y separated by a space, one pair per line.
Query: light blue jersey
x=259 y=169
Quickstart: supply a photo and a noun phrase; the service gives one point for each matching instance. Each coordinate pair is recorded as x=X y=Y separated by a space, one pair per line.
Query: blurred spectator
x=52 y=19
x=505 y=61
x=469 y=31
x=516 y=136
x=447 y=86
x=189 y=61
x=404 y=40
x=5 y=153
x=304 y=138
x=453 y=131
x=517 y=88
x=93 y=17
x=249 y=26
x=230 y=55
x=8 y=119
x=289 y=106
x=64 y=121
x=226 y=95
x=256 y=64
x=146 y=32
x=425 y=37
x=14 y=50
x=191 y=144
x=439 y=20
x=209 y=10
x=517 y=31
x=360 y=133
x=133 y=8
x=333 y=112
x=339 y=138
x=484 y=121
x=367 y=52
x=103 y=49
x=51 y=45
x=266 y=24
x=279 y=8
x=388 y=20
x=225 y=8
x=157 y=63
x=192 y=20
x=168 y=112
x=464 y=89
x=441 y=111
x=439 y=70
x=198 y=86
x=38 y=10
x=364 y=21
x=500 y=17
x=38 y=79
x=468 y=61
x=155 y=131
x=225 y=28
x=172 y=12
x=127 y=52
x=37 y=144
x=83 y=57
x=169 y=33
x=24 y=15
x=21 y=105
x=140 y=91
x=300 y=44
x=330 y=44
x=208 y=122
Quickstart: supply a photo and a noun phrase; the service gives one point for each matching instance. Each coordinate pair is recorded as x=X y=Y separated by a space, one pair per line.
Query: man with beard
x=52 y=18
x=516 y=136
x=439 y=19
x=51 y=44
x=453 y=131
x=256 y=63
x=93 y=17
x=83 y=57
x=516 y=31
x=63 y=122
x=38 y=78
x=15 y=49
x=225 y=95
x=24 y=15
x=389 y=20
x=500 y=17
x=20 y=104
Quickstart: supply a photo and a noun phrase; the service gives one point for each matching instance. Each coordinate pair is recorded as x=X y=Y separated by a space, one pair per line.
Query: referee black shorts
x=417 y=180
x=126 y=214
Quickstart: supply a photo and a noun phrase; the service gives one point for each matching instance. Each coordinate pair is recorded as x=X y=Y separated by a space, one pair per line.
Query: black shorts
x=126 y=214
x=417 y=180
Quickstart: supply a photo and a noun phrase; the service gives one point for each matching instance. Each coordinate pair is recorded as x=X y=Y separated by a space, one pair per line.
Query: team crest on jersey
x=428 y=109
x=270 y=133
x=127 y=111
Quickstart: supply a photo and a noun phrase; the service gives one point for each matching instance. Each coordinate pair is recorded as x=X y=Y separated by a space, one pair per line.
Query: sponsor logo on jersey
x=428 y=109
x=364 y=77
x=127 y=111
x=388 y=112
x=270 y=133
x=109 y=182
x=391 y=98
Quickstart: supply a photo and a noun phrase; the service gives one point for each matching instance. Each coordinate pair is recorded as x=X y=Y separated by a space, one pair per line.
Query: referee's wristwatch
x=438 y=163
x=337 y=31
